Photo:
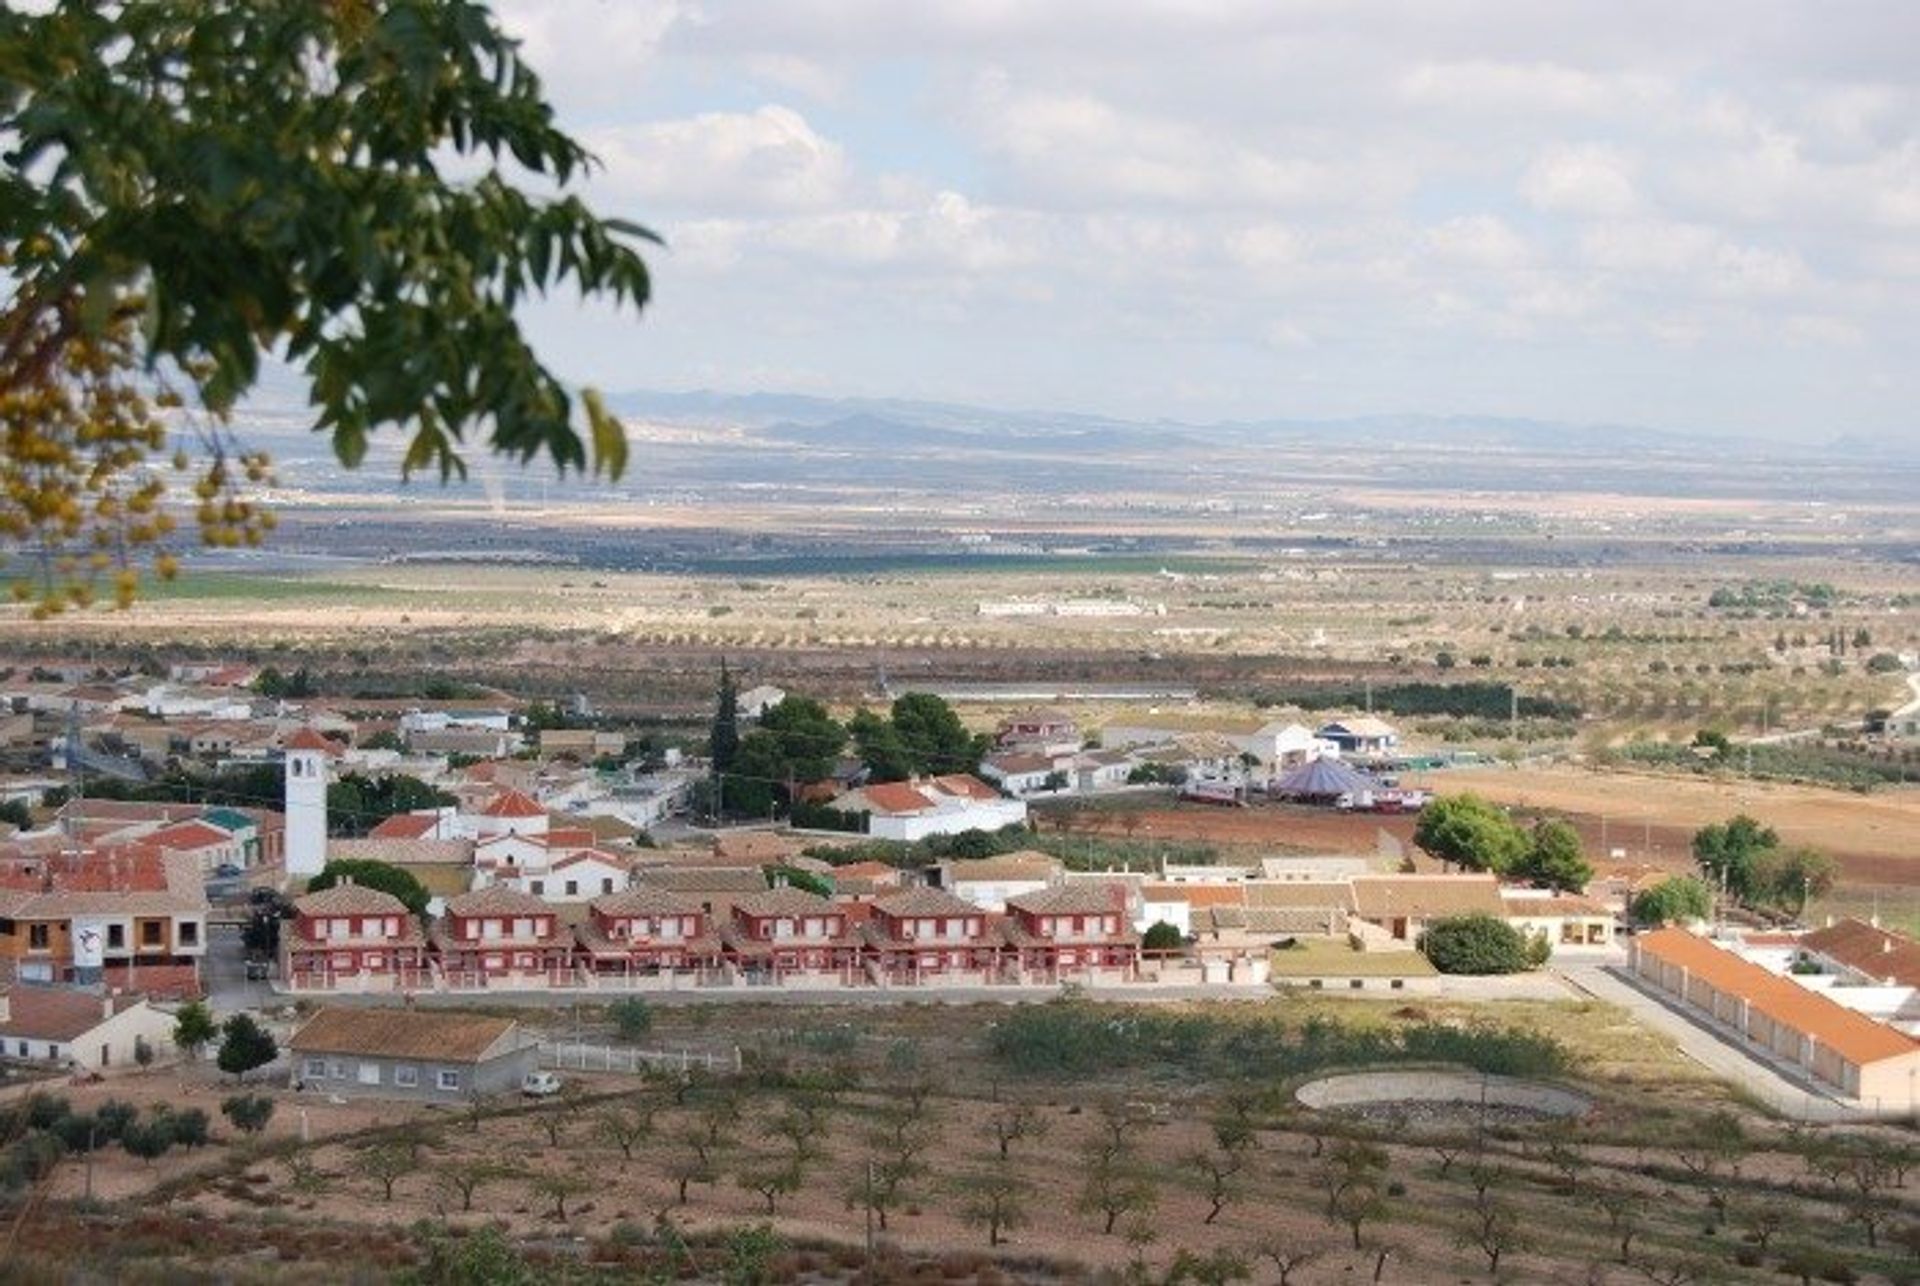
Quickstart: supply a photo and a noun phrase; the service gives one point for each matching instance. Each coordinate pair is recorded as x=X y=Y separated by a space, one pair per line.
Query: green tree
x=935 y=739
x=1554 y=858
x=995 y=1199
x=1161 y=936
x=245 y=1045
x=880 y=747
x=149 y=1140
x=1474 y=944
x=723 y=737
x=1790 y=878
x=356 y=803
x=248 y=1113
x=1674 y=900
x=163 y=213
x=400 y=882
x=1470 y=832
x=1728 y=851
x=809 y=739
x=632 y=1017
x=193 y=1028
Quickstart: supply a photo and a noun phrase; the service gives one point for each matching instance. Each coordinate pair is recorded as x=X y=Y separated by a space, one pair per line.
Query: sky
x=1685 y=215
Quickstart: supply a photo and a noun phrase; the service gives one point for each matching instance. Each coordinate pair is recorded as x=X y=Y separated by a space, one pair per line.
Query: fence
x=580 y=1057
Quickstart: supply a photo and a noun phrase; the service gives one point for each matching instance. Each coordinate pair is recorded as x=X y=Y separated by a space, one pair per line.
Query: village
x=521 y=866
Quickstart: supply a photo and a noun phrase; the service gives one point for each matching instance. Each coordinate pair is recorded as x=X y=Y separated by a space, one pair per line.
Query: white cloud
x=1590 y=180
x=769 y=159
x=1136 y=196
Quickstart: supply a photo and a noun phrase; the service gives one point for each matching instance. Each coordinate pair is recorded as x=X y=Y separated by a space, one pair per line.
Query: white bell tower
x=307 y=753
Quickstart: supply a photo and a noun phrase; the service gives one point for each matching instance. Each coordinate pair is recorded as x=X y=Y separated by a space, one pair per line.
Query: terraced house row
x=353 y=938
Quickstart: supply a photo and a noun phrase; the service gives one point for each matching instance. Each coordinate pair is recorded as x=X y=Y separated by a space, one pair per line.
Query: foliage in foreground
x=1075 y=1038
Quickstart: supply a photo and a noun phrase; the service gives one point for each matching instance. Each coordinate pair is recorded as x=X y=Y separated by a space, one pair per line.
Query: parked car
x=540 y=1085
x=227 y=871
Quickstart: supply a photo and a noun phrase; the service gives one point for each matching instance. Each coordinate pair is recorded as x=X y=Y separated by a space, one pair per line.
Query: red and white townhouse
x=930 y=933
x=647 y=931
x=353 y=938
x=502 y=937
x=784 y=934
x=1072 y=929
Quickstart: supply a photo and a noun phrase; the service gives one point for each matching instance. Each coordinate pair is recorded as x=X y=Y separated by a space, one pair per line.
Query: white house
x=81 y=1029
x=913 y=810
x=1279 y=746
x=1019 y=772
x=580 y=876
x=1362 y=735
x=988 y=882
x=755 y=702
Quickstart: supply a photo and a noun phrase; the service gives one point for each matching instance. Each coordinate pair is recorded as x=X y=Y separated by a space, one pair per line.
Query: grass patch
x=262 y=587
x=1321 y=957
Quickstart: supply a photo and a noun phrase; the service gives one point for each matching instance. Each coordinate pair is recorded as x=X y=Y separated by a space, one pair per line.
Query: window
x=536 y=887
x=189 y=933
x=406 y=1078
x=23 y=1049
x=606 y=885
x=314 y=1068
x=38 y=937
x=573 y=888
x=369 y=1073
x=116 y=937
x=53 y=1051
x=152 y=933
x=337 y=1070
x=446 y=1080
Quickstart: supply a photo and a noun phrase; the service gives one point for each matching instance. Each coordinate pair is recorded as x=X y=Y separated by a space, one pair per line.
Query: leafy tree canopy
x=194 y=185
x=1475 y=944
x=1675 y=900
x=356 y=803
x=1554 y=858
x=1468 y=831
x=245 y=1045
x=1727 y=852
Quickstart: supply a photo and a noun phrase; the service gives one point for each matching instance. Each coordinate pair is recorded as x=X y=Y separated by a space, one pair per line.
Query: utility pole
x=1513 y=713
x=869 y=1205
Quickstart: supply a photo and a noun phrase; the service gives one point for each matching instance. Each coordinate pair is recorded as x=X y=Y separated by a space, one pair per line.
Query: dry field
x=1422 y=1164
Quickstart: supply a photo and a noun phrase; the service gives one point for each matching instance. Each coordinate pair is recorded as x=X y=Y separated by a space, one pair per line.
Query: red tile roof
x=405 y=826
x=965 y=784
x=895 y=797
x=1869 y=950
x=187 y=835
x=513 y=803
x=1855 y=1037
x=308 y=739
x=52 y=1013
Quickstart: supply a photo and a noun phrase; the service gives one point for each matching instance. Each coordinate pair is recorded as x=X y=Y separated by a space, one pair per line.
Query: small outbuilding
x=421 y=1055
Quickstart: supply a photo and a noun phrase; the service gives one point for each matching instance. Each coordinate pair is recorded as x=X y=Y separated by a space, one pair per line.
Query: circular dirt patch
x=1363 y=1091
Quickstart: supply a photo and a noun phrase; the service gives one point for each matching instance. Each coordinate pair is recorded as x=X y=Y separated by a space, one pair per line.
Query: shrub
x=190 y=1127
x=631 y=1017
x=249 y=1113
x=1474 y=944
x=1161 y=936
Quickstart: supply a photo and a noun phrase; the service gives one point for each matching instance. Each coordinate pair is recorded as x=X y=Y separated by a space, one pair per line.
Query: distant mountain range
x=858 y=422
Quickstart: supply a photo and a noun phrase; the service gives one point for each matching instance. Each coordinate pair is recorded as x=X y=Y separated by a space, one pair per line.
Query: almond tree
x=1111 y=1191
x=995 y=1199
x=388 y=1162
x=1012 y=1122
